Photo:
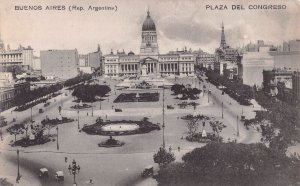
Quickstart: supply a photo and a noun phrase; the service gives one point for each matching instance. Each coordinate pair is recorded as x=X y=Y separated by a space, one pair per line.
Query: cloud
x=190 y=31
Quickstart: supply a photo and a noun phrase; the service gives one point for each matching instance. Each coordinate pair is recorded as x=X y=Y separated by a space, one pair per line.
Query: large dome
x=148 y=24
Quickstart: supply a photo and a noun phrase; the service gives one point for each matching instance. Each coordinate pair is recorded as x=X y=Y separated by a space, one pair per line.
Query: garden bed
x=56 y=121
x=140 y=97
x=197 y=137
x=111 y=143
x=97 y=128
x=184 y=104
x=26 y=142
x=83 y=106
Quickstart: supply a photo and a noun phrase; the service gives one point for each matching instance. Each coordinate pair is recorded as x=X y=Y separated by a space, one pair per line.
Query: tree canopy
x=232 y=164
x=88 y=93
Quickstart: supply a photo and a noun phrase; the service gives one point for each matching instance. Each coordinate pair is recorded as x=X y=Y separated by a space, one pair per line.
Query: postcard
x=149 y=92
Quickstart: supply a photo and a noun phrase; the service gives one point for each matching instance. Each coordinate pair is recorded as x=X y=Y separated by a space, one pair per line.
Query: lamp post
x=163 y=125
x=74 y=169
x=18 y=178
x=92 y=109
x=222 y=109
x=78 y=118
x=57 y=146
x=1 y=123
x=208 y=95
x=100 y=102
x=1 y=132
x=237 y=126
x=31 y=114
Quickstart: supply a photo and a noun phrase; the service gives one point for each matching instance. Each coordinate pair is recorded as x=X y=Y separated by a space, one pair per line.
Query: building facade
x=291 y=46
x=129 y=64
x=9 y=89
x=274 y=79
x=90 y=62
x=63 y=64
x=20 y=57
x=225 y=52
x=206 y=60
x=254 y=62
x=228 y=60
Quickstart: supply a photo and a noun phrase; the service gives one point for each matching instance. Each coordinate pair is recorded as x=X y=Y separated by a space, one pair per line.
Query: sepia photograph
x=149 y=93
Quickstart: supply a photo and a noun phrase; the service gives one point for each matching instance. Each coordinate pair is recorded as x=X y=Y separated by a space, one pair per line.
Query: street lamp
x=57 y=146
x=78 y=118
x=100 y=102
x=1 y=132
x=31 y=114
x=18 y=177
x=208 y=92
x=222 y=110
x=163 y=125
x=237 y=126
x=74 y=169
x=1 y=123
x=92 y=109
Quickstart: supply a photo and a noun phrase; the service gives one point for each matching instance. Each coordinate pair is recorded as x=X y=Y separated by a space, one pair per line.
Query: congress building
x=121 y=64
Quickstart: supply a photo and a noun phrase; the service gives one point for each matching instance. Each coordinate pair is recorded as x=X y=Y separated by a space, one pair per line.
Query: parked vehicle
x=44 y=173
x=118 y=110
x=41 y=111
x=46 y=104
x=148 y=171
x=243 y=118
x=170 y=107
x=59 y=176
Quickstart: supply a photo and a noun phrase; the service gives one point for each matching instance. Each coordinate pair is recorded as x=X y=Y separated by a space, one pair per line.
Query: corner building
x=130 y=64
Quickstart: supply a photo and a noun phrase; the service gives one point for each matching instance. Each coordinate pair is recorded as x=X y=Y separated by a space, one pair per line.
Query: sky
x=179 y=23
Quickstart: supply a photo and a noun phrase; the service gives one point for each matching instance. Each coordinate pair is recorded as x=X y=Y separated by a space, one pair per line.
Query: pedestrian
x=182 y=137
x=87 y=113
x=91 y=181
x=178 y=149
x=170 y=148
x=66 y=159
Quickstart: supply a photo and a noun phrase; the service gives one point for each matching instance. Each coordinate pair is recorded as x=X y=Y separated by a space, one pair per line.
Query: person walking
x=170 y=148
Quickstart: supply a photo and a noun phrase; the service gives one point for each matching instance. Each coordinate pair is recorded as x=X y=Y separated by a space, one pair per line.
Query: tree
x=99 y=120
x=37 y=131
x=48 y=126
x=232 y=164
x=15 y=130
x=2 y=121
x=177 y=88
x=217 y=127
x=192 y=125
x=162 y=157
x=88 y=93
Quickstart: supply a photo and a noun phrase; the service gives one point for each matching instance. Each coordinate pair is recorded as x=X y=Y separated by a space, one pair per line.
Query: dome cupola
x=148 y=24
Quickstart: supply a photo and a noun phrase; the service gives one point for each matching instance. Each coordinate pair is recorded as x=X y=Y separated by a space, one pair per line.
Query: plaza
x=120 y=165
